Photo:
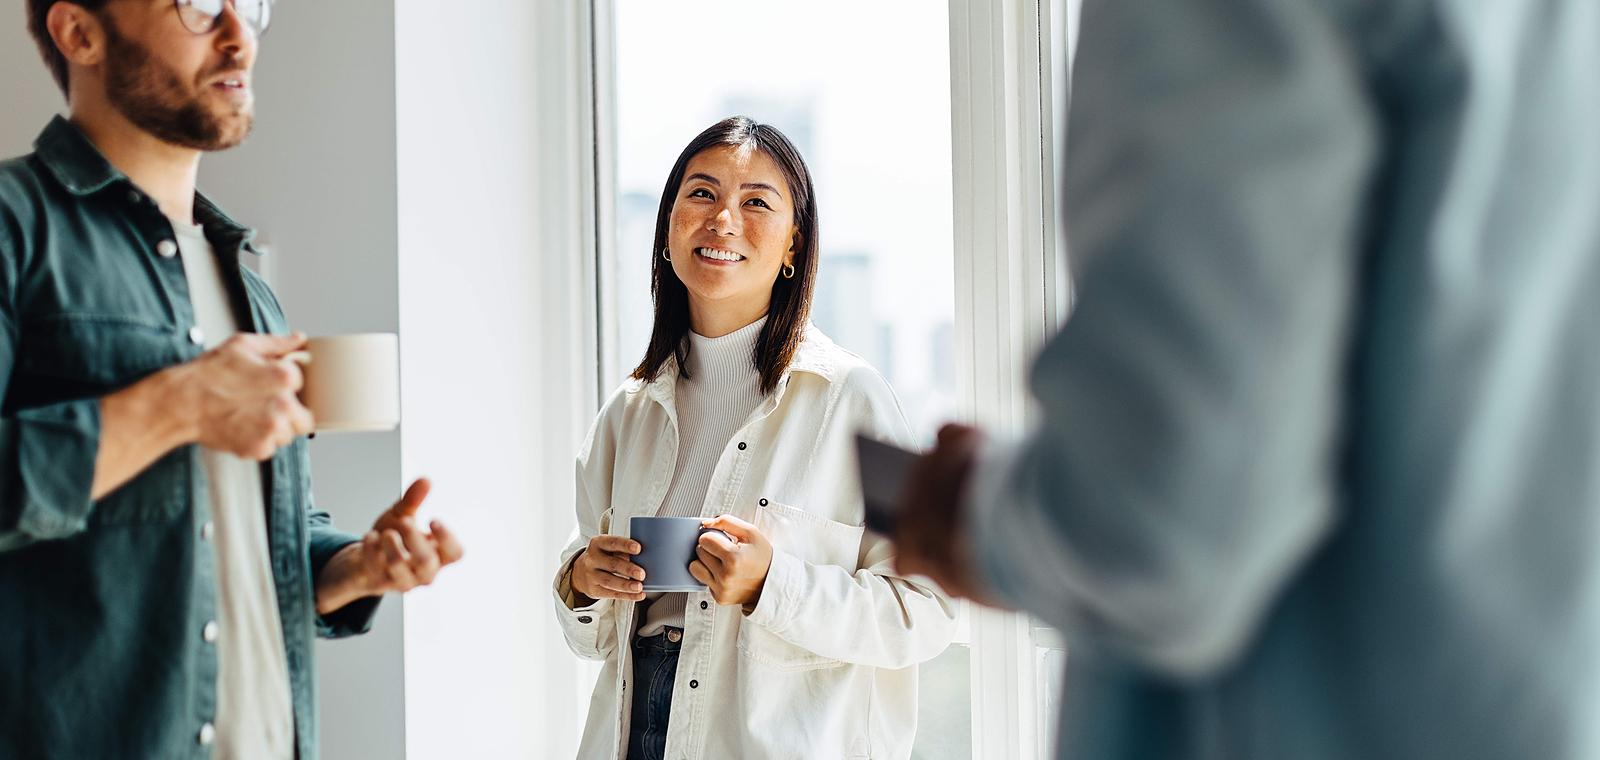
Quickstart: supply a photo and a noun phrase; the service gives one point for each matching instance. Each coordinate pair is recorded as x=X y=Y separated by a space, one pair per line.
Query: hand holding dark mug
x=667 y=547
x=605 y=570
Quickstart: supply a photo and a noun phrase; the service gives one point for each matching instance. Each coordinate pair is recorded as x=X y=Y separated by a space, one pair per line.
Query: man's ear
x=77 y=33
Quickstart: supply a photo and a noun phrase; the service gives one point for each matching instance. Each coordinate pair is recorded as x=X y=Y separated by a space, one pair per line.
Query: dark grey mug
x=666 y=547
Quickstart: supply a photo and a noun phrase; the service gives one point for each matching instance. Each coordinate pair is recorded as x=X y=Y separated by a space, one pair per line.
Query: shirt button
x=703 y=605
x=197 y=336
x=585 y=619
x=694 y=684
x=209 y=633
x=674 y=636
x=208 y=733
x=208 y=530
x=167 y=249
x=741 y=446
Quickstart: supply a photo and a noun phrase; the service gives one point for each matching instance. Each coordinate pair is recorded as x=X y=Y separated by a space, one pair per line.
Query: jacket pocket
x=810 y=537
x=817 y=541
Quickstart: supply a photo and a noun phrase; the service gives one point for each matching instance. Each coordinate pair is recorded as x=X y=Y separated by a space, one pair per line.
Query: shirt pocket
x=73 y=356
x=816 y=540
x=68 y=356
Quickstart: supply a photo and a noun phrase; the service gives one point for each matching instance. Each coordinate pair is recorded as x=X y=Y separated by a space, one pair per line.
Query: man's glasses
x=202 y=16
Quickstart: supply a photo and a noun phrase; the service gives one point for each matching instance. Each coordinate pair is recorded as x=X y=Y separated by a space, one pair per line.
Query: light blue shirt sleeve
x=1218 y=156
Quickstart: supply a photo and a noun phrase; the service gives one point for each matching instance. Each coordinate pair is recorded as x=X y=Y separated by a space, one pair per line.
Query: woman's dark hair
x=790 y=310
x=53 y=59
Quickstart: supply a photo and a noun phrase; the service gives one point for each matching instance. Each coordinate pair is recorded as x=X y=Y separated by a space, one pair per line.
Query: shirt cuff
x=569 y=597
x=774 y=611
x=582 y=626
x=985 y=502
x=354 y=618
x=56 y=451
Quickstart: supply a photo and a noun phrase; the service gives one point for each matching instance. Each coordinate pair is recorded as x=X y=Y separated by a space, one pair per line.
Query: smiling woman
x=751 y=410
x=738 y=208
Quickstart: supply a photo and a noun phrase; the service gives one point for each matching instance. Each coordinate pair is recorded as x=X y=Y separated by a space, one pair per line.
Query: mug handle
x=301 y=358
x=704 y=530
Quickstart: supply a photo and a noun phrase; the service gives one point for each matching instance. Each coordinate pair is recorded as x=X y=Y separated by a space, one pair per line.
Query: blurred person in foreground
x=1318 y=469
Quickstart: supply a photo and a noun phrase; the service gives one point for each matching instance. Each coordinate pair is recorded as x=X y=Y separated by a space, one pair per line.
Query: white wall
x=498 y=363
x=317 y=178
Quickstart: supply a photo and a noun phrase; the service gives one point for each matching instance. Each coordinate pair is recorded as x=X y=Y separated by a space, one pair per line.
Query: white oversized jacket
x=825 y=666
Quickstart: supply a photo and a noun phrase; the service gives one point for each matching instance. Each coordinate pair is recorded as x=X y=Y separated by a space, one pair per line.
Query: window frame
x=1012 y=294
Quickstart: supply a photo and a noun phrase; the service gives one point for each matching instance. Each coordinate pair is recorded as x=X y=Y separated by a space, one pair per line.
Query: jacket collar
x=83 y=170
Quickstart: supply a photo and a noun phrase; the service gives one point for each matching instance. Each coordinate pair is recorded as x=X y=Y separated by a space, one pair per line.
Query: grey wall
x=318 y=180
x=29 y=95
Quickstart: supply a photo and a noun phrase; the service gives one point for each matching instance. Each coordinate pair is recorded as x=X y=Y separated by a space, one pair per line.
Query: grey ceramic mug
x=666 y=547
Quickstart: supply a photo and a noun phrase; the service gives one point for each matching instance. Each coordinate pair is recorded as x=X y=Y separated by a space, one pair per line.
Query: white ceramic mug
x=352 y=381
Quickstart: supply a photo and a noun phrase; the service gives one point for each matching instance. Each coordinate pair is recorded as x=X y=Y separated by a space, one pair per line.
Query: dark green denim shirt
x=102 y=603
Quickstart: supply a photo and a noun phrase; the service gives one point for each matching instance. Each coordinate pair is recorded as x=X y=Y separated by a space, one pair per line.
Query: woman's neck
x=714 y=320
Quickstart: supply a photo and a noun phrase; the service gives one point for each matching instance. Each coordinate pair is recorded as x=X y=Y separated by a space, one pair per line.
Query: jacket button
x=694 y=684
x=208 y=530
x=703 y=605
x=208 y=734
x=763 y=502
x=167 y=249
x=209 y=633
x=742 y=447
x=197 y=336
x=585 y=619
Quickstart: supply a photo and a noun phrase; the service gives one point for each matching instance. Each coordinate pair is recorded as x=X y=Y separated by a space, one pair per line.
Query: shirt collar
x=83 y=170
x=817 y=355
x=75 y=162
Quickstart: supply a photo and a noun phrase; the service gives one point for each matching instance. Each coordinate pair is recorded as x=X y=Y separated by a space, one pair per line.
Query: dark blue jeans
x=655 y=665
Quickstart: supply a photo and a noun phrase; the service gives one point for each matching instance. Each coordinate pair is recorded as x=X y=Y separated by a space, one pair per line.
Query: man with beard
x=162 y=570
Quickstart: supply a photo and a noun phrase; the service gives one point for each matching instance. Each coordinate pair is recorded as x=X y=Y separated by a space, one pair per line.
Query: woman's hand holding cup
x=732 y=560
x=604 y=570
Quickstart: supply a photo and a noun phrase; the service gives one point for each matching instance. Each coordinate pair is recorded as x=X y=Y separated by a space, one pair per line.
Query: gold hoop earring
x=788 y=271
x=666 y=255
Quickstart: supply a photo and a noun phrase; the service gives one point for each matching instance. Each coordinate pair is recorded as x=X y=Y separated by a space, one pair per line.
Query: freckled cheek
x=681 y=226
x=767 y=237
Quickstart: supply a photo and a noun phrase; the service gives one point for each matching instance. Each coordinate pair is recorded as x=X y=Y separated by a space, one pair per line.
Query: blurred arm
x=1219 y=154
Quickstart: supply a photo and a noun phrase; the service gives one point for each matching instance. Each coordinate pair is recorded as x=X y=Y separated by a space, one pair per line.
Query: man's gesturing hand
x=396 y=555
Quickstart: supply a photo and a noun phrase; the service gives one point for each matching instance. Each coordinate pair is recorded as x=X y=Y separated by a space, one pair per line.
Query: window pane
x=874 y=128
